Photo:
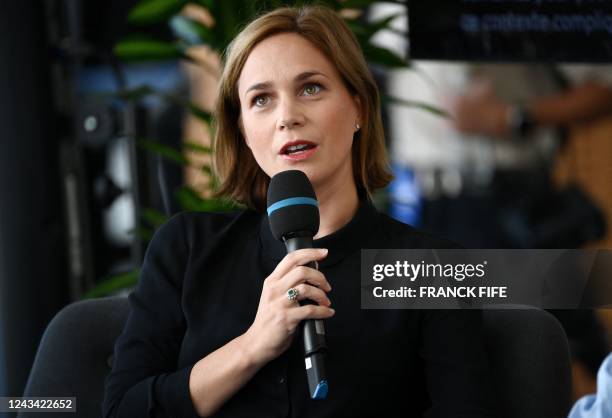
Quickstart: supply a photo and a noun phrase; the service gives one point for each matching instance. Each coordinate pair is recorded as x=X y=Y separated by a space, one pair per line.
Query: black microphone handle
x=313 y=331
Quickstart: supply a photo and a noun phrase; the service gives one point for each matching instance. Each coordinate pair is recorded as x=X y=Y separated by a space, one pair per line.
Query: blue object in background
x=405 y=196
x=598 y=405
x=163 y=76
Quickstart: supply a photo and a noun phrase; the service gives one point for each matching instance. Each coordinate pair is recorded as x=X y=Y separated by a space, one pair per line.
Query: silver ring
x=292 y=294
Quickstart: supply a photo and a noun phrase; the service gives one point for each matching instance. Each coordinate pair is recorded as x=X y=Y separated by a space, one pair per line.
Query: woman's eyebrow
x=267 y=84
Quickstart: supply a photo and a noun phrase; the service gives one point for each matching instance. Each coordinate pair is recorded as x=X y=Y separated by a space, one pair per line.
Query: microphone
x=293 y=212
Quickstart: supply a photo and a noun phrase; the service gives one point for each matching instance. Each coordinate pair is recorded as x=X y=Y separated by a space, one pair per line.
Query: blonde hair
x=240 y=176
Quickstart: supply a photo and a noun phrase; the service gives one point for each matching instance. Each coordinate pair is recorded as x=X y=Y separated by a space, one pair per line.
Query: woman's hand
x=278 y=317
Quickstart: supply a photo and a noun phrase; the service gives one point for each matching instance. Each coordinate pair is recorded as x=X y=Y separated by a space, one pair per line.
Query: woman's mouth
x=298 y=150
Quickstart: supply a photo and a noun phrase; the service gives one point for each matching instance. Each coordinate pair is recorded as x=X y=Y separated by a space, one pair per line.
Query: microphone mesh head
x=292 y=204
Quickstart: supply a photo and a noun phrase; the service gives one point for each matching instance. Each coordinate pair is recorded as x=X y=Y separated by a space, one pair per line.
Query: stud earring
x=357 y=127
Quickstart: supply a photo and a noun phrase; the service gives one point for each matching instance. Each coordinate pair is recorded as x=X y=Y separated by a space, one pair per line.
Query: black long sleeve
x=199 y=288
x=145 y=378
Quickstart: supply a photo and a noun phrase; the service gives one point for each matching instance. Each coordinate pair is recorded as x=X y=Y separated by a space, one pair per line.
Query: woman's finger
x=303 y=274
x=309 y=312
x=298 y=258
x=306 y=291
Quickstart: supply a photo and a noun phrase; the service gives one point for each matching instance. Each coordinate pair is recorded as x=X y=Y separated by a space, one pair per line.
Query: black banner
x=511 y=30
x=475 y=279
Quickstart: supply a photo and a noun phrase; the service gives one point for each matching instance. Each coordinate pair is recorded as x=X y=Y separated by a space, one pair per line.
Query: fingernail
x=333 y=310
x=324 y=250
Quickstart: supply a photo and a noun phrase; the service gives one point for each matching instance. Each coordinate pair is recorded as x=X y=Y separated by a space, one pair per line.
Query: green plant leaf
x=205 y=168
x=416 y=104
x=163 y=150
x=207 y=4
x=146 y=49
x=154 y=11
x=358 y=29
x=193 y=146
x=190 y=200
x=360 y=4
x=153 y=216
x=200 y=113
x=145 y=234
x=366 y=30
x=383 y=56
x=113 y=284
x=227 y=21
x=332 y=4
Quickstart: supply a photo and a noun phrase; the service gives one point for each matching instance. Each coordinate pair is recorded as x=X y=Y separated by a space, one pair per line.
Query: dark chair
x=528 y=351
x=75 y=354
x=530 y=363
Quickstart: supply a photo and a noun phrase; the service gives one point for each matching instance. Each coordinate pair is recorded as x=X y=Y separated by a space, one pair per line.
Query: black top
x=199 y=288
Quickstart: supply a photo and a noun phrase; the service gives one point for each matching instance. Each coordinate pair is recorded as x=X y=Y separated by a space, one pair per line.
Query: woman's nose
x=289 y=116
x=287 y=124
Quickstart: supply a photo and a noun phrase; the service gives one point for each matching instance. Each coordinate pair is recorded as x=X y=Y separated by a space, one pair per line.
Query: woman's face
x=296 y=112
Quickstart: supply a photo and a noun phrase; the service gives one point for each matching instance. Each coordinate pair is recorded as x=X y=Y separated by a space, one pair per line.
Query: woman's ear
x=359 y=110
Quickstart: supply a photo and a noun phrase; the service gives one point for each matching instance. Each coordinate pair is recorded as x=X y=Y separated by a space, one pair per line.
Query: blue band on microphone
x=291 y=202
x=321 y=390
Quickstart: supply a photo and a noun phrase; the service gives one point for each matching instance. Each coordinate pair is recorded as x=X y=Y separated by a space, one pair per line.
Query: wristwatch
x=520 y=121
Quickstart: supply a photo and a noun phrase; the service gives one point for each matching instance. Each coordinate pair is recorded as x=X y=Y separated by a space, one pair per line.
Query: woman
x=211 y=326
